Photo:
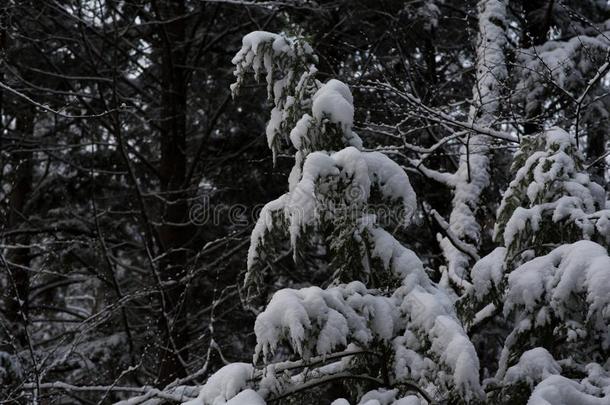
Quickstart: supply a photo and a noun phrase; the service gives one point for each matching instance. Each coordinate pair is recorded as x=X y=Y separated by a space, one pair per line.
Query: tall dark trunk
x=430 y=53
x=596 y=147
x=18 y=258
x=534 y=34
x=173 y=173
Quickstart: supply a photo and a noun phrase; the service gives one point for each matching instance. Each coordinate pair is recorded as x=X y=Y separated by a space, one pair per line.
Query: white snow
x=224 y=385
x=551 y=280
x=338 y=313
x=246 y=397
x=264 y=224
x=549 y=287
x=488 y=272
x=364 y=169
x=558 y=390
x=534 y=366
x=335 y=102
x=300 y=131
x=382 y=397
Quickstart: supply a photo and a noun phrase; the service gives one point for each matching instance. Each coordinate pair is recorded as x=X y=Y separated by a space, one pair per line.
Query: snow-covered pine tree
x=381 y=324
x=551 y=200
x=548 y=299
x=310 y=116
x=558 y=309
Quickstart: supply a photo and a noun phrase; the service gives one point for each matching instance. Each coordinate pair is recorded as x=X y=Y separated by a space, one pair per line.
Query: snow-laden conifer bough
x=381 y=323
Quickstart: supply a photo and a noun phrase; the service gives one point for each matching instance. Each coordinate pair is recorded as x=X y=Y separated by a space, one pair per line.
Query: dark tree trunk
x=535 y=34
x=18 y=259
x=430 y=52
x=596 y=147
x=173 y=174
